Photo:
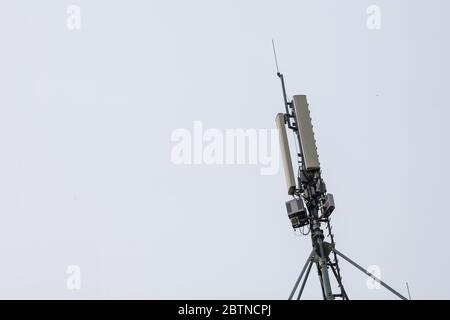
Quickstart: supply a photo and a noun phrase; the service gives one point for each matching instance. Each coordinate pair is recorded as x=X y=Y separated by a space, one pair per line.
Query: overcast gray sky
x=86 y=118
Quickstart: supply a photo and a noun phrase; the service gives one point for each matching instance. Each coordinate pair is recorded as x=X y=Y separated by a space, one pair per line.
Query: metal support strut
x=301 y=275
x=369 y=274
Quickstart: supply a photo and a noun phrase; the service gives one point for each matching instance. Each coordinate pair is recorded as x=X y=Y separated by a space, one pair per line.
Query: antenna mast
x=312 y=205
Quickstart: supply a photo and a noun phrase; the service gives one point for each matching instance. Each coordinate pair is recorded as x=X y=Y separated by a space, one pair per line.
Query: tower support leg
x=341 y=286
x=304 y=280
x=357 y=266
x=301 y=275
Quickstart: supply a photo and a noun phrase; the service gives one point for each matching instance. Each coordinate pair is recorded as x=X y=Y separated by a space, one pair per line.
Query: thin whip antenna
x=275 y=55
x=409 y=293
x=283 y=87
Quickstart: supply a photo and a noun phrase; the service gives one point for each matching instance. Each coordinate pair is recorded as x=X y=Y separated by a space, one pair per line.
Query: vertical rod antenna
x=280 y=75
x=275 y=55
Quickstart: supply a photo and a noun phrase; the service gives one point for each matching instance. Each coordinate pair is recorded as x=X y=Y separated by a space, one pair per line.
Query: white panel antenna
x=285 y=154
x=306 y=133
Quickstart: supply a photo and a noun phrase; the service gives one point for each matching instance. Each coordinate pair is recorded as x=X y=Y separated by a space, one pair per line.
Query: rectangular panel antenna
x=306 y=134
x=285 y=154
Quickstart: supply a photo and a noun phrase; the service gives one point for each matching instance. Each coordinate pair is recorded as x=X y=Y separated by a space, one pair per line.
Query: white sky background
x=86 y=119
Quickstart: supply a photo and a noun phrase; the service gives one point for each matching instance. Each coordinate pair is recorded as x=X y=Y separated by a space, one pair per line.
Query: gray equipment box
x=297 y=213
x=328 y=206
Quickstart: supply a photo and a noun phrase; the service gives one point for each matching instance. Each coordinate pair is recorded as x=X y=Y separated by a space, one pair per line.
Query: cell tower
x=311 y=206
